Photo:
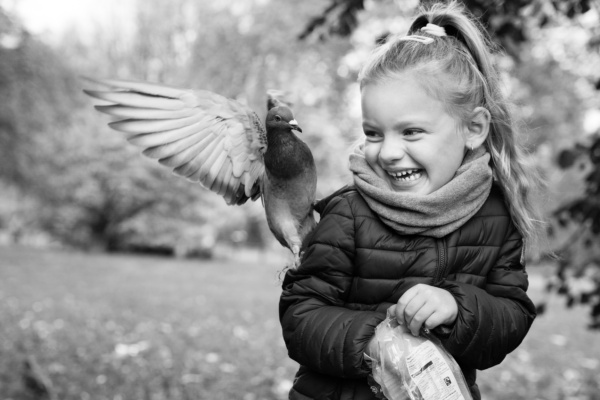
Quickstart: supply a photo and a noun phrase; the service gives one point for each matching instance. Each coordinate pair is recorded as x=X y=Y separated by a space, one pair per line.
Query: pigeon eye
x=277 y=118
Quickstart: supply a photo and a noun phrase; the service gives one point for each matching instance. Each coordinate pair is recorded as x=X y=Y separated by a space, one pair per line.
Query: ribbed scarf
x=436 y=214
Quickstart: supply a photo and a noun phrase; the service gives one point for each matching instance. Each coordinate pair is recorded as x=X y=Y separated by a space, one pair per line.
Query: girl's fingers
x=392 y=310
x=424 y=305
x=417 y=320
x=415 y=309
x=435 y=319
x=404 y=301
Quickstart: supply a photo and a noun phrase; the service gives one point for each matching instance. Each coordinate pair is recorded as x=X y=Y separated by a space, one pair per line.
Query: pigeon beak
x=294 y=124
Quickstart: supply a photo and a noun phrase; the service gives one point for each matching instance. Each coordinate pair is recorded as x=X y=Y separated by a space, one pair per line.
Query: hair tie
x=417 y=38
x=434 y=30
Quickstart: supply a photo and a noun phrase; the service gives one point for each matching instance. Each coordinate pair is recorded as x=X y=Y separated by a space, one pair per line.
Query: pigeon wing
x=200 y=135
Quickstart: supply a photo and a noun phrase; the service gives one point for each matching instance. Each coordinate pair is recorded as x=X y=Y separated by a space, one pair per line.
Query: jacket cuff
x=452 y=342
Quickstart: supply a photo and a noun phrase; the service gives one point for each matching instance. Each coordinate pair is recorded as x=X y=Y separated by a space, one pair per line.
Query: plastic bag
x=415 y=368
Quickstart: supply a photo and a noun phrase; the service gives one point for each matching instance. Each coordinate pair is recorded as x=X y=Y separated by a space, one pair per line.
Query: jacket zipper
x=439 y=275
x=440 y=272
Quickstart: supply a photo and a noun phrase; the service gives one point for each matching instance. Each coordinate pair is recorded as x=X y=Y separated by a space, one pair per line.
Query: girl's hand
x=425 y=305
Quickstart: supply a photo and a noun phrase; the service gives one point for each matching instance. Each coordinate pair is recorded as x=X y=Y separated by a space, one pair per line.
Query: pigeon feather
x=186 y=129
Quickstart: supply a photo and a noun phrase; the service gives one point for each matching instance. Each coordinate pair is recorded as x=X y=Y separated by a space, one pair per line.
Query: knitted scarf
x=436 y=214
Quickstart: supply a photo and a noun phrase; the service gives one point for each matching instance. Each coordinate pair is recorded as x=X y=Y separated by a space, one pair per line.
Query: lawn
x=127 y=327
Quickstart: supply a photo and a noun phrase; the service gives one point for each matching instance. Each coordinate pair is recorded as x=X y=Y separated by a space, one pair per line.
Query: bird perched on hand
x=222 y=144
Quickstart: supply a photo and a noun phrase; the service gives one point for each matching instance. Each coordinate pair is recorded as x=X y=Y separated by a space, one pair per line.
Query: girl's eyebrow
x=369 y=124
x=401 y=123
x=413 y=119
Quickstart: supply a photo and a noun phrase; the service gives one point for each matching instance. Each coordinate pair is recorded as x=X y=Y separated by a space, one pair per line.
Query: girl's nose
x=392 y=150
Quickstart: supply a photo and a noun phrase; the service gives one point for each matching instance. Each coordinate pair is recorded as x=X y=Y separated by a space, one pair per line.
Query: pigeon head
x=281 y=117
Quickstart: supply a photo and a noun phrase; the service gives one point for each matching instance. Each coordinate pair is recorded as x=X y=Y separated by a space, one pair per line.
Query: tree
x=31 y=77
x=578 y=273
x=56 y=152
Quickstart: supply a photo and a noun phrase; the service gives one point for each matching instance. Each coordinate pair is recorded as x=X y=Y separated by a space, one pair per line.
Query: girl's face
x=410 y=140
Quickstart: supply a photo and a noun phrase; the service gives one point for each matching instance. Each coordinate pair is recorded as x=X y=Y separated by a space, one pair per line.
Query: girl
x=433 y=226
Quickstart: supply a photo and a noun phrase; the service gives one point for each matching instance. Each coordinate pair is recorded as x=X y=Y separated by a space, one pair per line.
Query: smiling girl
x=433 y=228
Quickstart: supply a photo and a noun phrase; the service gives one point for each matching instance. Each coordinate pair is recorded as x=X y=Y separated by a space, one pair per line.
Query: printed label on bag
x=432 y=374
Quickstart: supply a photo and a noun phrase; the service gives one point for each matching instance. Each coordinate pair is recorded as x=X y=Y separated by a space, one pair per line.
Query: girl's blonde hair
x=458 y=70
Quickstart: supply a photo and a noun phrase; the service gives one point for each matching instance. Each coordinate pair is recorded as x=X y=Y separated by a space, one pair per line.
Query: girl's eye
x=373 y=136
x=411 y=132
x=371 y=133
x=277 y=118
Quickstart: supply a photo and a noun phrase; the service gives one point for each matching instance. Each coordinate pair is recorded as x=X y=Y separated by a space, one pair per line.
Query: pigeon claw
x=296 y=261
x=297 y=256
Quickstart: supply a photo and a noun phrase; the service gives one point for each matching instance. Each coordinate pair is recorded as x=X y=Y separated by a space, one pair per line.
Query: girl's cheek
x=372 y=152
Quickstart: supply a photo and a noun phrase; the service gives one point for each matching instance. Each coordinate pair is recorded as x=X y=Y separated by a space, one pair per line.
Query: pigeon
x=223 y=145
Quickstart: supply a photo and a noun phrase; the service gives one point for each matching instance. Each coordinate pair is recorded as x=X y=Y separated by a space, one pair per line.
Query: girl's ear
x=478 y=127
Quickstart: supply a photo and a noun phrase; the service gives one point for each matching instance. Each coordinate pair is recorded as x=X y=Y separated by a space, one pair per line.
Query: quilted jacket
x=355 y=267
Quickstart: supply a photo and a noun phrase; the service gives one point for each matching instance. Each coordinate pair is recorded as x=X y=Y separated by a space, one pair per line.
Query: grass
x=128 y=327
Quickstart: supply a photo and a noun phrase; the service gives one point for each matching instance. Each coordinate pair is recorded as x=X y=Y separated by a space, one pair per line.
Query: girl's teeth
x=407 y=176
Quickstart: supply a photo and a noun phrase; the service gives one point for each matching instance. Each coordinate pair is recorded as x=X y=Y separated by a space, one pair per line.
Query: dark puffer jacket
x=355 y=267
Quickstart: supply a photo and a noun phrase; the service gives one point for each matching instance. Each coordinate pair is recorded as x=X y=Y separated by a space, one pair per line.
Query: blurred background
x=119 y=280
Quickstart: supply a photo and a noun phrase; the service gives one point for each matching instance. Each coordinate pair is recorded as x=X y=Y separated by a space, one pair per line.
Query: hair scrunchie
x=434 y=30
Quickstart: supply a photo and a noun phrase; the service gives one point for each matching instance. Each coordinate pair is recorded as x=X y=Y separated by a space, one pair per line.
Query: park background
x=120 y=281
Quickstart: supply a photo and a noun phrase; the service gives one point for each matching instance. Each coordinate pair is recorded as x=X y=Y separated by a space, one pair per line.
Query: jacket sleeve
x=492 y=321
x=319 y=331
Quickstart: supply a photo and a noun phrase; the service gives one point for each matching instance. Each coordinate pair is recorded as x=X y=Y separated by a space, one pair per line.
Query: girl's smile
x=412 y=143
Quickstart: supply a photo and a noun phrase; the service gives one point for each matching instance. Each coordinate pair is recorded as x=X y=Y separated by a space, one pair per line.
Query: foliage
x=340 y=18
x=53 y=152
x=585 y=211
x=507 y=21
x=32 y=76
x=578 y=275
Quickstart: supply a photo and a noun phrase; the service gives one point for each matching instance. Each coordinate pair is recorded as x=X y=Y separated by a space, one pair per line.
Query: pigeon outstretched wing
x=200 y=135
